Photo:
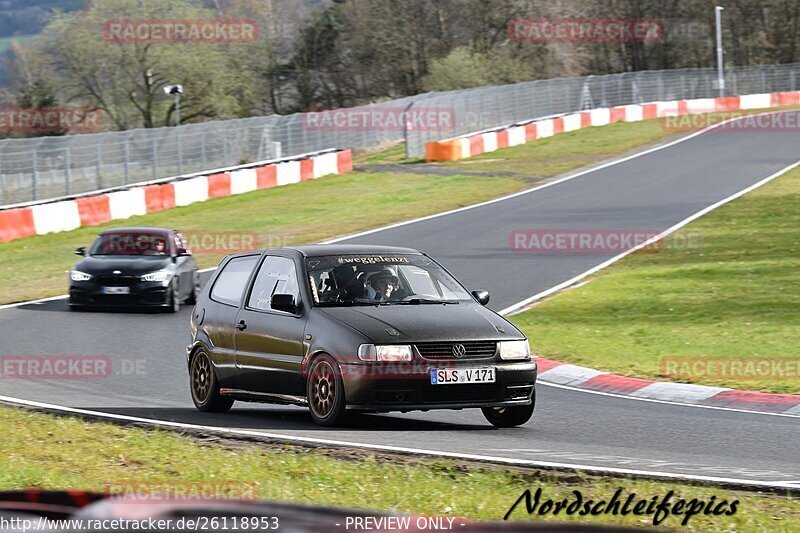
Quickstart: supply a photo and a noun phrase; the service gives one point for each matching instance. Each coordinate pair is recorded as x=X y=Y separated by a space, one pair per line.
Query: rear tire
x=508 y=417
x=325 y=392
x=205 y=387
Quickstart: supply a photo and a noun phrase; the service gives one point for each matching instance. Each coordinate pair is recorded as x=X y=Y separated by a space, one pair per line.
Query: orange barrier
x=443 y=151
x=16 y=223
x=345 y=161
x=93 y=210
x=219 y=185
x=159 y=197
x=267 y=176
x=306 y=169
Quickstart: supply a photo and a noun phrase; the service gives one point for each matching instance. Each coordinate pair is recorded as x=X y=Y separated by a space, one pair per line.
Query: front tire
x=325 y=392
x=508 y=417
x=174 y=298
x=192 y=299
x=204 y=386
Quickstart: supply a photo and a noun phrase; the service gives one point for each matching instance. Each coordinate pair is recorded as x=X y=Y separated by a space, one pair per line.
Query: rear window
x=231 y=282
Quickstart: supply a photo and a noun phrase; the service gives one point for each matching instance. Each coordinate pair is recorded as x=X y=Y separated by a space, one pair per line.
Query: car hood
x=100 y=265
x=421 y=323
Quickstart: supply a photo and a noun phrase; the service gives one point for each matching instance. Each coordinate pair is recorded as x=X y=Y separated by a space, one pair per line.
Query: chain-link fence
x=48 y=167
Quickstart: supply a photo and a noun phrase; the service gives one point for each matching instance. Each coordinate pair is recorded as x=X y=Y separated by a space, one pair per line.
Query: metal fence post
x=35 y=171
x=155 y=159
x=98 y=171
x=127 y=161
x=67 y=167
x=180 y=149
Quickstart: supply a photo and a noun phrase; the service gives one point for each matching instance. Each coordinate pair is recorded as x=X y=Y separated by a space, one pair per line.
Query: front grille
x=444 y=350
x=117 y=281
x=464 y=393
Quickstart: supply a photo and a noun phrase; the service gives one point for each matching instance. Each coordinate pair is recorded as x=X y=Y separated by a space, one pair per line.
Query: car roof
x=312 y=250
x=151 y=229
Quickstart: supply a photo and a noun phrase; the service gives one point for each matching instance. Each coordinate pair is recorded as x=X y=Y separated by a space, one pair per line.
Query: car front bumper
x=408 y=387
x=142 y=294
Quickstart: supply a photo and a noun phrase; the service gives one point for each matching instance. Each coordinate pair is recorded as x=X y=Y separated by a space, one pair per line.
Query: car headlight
x=158 y=275
x=514 y=350
x=77 y=275
x=392 y=352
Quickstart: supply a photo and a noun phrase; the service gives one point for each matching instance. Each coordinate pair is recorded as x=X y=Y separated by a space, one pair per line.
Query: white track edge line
x=540 y=381
x=395 y=449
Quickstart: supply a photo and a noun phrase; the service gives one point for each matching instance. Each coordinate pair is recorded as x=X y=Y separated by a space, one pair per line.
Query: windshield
x=372 y=279
x=131 y=243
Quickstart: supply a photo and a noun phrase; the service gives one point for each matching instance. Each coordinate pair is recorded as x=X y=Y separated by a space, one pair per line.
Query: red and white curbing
x=477 y=143
x=560 y=373
x=99 y=207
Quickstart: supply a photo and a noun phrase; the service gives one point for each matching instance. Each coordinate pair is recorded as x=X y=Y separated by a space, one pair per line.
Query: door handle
x=241 y=326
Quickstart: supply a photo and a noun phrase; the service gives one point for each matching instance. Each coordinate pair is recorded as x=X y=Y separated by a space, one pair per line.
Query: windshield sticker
x=371 y=260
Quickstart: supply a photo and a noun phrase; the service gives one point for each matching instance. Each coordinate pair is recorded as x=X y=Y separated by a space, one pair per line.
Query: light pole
x=177 y=90
x=720 y=70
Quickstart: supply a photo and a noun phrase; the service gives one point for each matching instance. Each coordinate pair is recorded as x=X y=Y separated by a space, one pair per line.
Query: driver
x=383 y=287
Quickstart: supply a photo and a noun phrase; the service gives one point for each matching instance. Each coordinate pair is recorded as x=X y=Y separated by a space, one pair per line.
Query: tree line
x=323 y=54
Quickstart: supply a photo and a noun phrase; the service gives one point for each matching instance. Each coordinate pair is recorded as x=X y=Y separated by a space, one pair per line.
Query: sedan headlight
x=77 y=275
x=158 y=275
x=392 y=352
x=514 y=350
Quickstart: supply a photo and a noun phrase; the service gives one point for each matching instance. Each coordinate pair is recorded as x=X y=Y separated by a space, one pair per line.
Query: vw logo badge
x=459 y=350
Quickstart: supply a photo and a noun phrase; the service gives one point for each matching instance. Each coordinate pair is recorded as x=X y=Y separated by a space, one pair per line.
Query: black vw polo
x=368 y=328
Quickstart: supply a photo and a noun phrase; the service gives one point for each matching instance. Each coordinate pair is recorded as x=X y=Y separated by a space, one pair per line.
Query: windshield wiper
x=420 y=301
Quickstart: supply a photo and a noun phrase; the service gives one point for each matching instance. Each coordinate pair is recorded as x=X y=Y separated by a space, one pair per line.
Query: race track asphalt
x=650 y=192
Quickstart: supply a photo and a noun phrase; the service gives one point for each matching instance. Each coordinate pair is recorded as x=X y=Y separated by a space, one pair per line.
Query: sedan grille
x=117 y=281
x=448 y=350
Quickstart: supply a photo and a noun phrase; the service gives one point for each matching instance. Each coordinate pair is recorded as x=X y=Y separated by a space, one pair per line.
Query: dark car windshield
x=370 y=279
x=131 y=243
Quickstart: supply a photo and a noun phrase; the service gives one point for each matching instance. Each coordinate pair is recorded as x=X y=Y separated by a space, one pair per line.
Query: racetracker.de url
x=201 y=523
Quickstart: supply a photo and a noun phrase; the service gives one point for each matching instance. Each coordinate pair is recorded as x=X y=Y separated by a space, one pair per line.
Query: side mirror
x=182 y=251
x=284 y=302
x=482 y=295
x=81 y=250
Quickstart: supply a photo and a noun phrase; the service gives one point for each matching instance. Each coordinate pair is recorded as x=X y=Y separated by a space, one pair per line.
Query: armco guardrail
x=65 y=214
x=480 y=142
x=47 y=167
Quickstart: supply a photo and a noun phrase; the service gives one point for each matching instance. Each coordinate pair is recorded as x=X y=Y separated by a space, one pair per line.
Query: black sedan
x=362 y=328
x=143 y=267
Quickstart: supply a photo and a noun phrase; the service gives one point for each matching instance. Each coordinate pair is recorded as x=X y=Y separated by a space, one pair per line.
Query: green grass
x=734 y=291
x=63 y=453
x=37 y=267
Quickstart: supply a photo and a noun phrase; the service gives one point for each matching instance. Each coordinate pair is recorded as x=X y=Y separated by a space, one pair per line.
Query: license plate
x=448 y=376
x=116 y=290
